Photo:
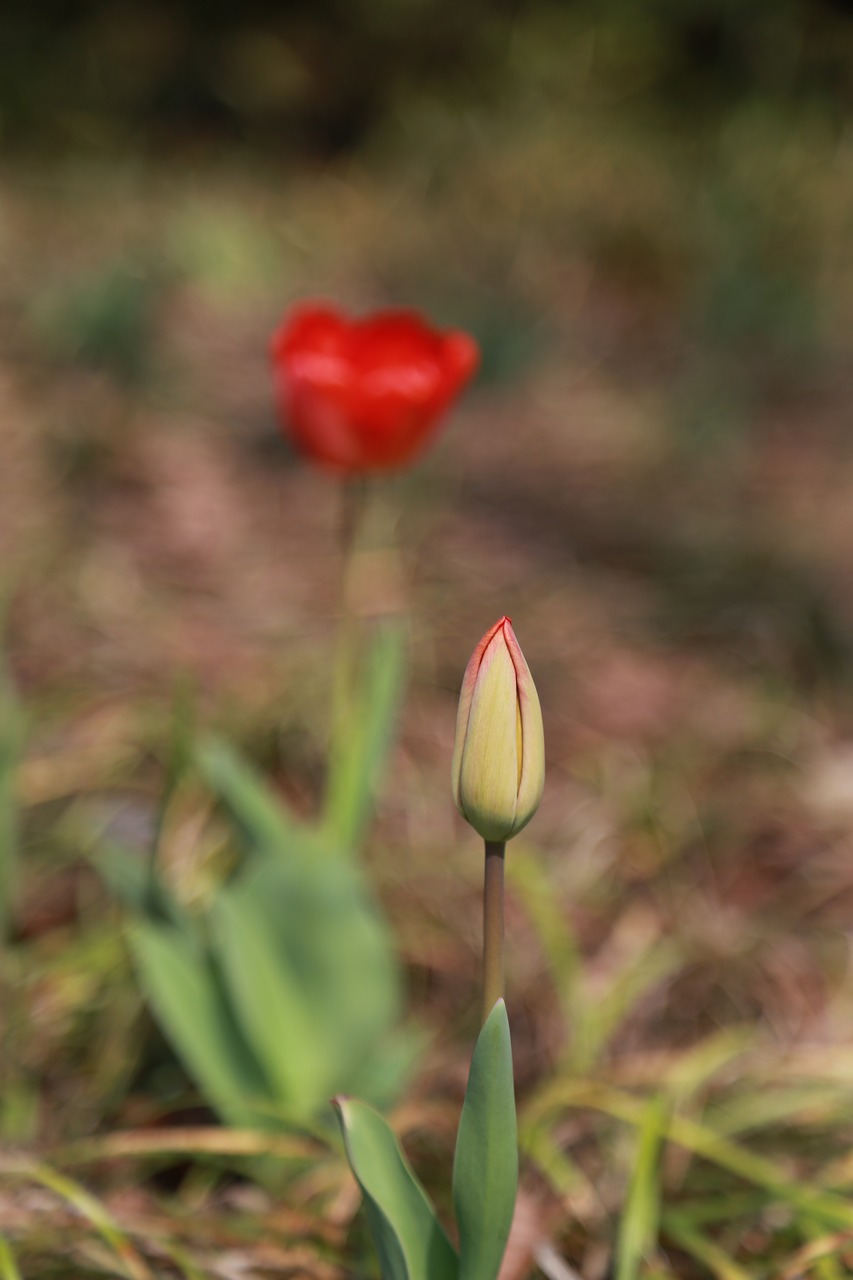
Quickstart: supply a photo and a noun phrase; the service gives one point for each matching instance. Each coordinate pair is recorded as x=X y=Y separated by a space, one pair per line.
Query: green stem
x=348 y=644
x=351 y=514
x=493 y=926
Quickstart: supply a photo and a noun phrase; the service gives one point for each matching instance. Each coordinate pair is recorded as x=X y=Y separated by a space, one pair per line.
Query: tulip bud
x=499 y=756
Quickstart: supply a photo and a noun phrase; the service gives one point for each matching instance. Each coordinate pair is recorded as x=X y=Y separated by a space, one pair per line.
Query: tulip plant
x=284 y=989
x=498 y=771
x=498 y=776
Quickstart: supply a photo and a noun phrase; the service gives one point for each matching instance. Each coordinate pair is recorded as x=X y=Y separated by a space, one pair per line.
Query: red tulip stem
x=350 y=532
x=351 y=516
x=353 y=501
x=493 y=926
x=349 y=654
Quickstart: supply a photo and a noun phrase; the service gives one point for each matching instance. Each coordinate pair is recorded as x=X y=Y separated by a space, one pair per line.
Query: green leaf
x=180 y=753
x=485 y=1167
x=531 y=882
x=704 y=1250
x=133 y=878
x=363 y=740
x=409 y=1239
x=270 y=1004
x=323 y=957
x=639 y=1226
x=261 y=815
x=181 y=983
x=8 y=1265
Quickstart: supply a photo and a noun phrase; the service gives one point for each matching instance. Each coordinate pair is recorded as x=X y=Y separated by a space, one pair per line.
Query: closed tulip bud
x=499 y=756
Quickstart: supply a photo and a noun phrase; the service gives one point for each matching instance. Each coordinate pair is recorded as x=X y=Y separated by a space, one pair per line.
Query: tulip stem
x=493 y=925
x=351 y=517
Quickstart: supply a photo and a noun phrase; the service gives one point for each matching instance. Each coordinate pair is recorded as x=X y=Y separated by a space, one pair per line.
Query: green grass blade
x=705 y=1251
x=826 y=1266
x=485 y=1166
x=639 y=1226
x=132 y=1265
x=530 y=881
x=409 y=1239
x=762 y=1108
x=543 y=1149
x=599 y=1017
x=8 y=1266
x=811 y=1203
x=363 y=739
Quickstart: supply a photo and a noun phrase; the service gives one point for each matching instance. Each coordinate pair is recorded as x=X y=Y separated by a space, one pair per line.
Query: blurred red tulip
x=366 y=395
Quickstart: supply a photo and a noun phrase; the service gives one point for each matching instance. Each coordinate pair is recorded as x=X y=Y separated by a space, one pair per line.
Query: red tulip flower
x=366 y=394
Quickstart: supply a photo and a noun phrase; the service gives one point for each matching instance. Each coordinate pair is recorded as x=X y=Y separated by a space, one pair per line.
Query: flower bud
x=499 y=755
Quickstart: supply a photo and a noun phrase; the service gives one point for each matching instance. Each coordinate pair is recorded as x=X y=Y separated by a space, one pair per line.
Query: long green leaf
x=270 y=1004
x=409 y=1239
x=129 y=876
x=485 y=1166
x=326 y=941
x=182 y=986
x=363 y=739
x=261 y=815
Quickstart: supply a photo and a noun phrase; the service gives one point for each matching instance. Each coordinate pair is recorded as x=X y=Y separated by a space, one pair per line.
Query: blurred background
x=645 y=215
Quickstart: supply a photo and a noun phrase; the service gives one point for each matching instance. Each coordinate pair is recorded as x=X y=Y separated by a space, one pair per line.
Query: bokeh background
x=645 y=215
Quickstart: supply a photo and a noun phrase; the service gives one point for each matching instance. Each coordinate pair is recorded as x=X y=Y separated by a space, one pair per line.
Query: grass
x=653 y=480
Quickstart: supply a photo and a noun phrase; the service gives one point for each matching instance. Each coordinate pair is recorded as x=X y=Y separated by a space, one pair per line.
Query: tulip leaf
x=269 y=1004
x=263 y=818
x=485 y=1166
x=409 y=1239
x=364 y=738
x=312 y=974
x=286 y=989
x=183 y=987
x=134 y=880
